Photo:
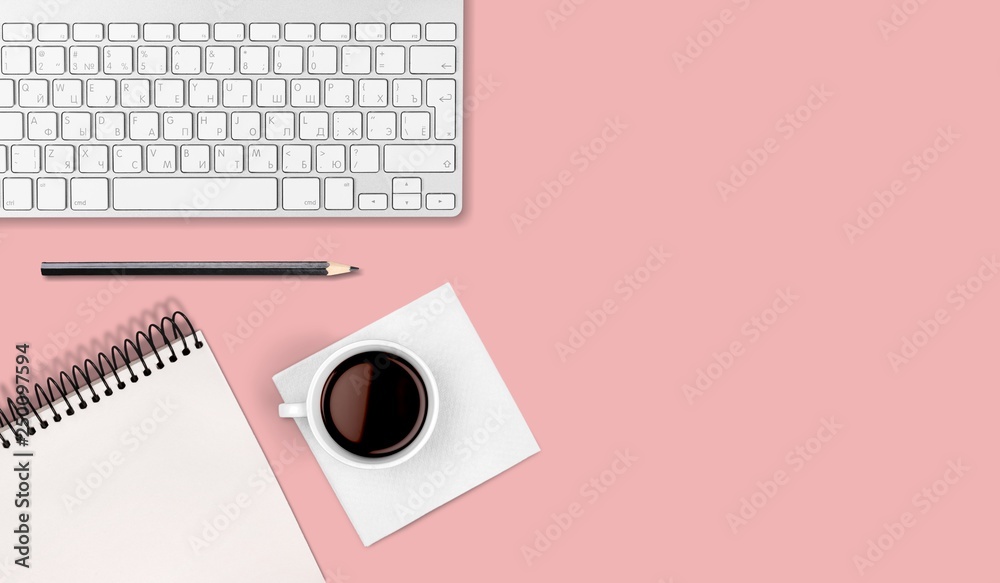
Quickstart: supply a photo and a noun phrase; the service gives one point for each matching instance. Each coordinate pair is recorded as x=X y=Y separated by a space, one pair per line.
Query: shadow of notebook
x=160 y=481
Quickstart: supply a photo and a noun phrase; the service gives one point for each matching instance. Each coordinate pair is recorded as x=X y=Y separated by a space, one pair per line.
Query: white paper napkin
x=480 y=432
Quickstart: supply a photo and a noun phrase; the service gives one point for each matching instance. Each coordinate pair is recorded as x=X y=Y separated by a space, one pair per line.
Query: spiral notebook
x=140 y=466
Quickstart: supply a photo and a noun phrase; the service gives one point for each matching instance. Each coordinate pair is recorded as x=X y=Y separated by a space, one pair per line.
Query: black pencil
x=160 y=268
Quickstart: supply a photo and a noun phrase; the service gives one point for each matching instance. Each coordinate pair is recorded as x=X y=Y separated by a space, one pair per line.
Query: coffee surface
x=374 y=404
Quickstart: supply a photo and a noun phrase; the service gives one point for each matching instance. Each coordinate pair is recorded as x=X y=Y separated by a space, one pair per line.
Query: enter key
x=442 y=96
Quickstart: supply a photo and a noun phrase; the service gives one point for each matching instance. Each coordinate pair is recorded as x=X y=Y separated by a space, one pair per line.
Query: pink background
x=665 y=517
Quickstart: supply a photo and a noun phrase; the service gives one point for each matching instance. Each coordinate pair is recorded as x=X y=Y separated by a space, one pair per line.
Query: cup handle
x=289 y=410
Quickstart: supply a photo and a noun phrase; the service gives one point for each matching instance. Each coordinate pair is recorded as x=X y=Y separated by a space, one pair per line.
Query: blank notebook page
x=162 y=481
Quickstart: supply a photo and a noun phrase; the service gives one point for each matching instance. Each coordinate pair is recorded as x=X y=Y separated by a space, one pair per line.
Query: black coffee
x=374 y=404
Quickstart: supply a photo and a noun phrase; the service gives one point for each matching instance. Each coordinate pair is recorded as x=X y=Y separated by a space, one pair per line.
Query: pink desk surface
x=839 y=420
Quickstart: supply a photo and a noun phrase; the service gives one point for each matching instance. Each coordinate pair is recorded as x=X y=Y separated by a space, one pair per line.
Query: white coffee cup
x=311 y=409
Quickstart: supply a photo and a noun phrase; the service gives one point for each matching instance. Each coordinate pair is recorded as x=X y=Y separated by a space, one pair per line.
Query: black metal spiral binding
x=83 y=378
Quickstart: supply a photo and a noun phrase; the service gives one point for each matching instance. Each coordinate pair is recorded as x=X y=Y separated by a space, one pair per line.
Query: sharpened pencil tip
x=354 y=268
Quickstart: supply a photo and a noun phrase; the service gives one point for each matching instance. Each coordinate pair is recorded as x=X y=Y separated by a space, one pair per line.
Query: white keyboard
x=240 y=108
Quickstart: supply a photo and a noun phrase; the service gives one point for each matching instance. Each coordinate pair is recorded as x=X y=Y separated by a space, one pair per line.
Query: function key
x=441 y=31
x=17 y=31
x=123 y=32
x=265 y=31
x=334 y=31
x=88 y=32
x=52 y=32
x=229 y=31
x=158 y=32
x=300 y=32
x=369 y=31
x=193 y=32
x=403 y=32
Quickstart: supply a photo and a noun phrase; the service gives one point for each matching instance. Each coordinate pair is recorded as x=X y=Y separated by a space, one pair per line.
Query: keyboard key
x=178 y=125
x=59 y=160
x=161 y=159
x=144 y=126
x=76 y=126
x=288 y=60
x=313 y=125
x=263 y=159
x=6 y=93
x=279 y=125
x=441 y=31
x=404 y=32
x=389 y=60
x=373 y=202
x=246 y=125
x=127 y=159
x=357 y=60
x=51 y=194
x=323 y=60
x=265 y=32
x=300 y=194
x=270 y=93
x=42 y=126
x=89 y=194
x=369 y=31
x=17 y=194
x=17 y=32
x=229 y=32
x=300 y=32
x=220 y=60
x=135 y=92
x=236 y=93
x=229 y=158
x=101 y=93
x=406 y=185
x=347 y=125
x=88 y=32
x=254 y=60
x=382 y=125
x=406 y=202
x=193 y=32
x=118 y=60
x=334 y=32
x=158 y=32
x=15 y=60
x=94 y=159
x=33 y=93
x=123 y=32
x=305 y=92
x=440 y=202
x=296 y=159
x=330 y=159
x=152 y=60
x=194 y=159
x=83 y=60
x=406 y=93
x=339 y=193
x=339 y=93
x=432 y=60
x=53 y=32
x=364 y=158
x=191 y=193
x=203 y=92
x=186 y=60
x=25 y=159
x=373 y=92
x=441 y=95
x=419 y=158
x=50 y=60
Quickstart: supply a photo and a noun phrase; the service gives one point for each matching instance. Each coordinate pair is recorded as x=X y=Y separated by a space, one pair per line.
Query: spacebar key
x=196 y=194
